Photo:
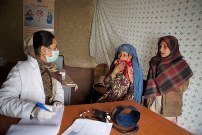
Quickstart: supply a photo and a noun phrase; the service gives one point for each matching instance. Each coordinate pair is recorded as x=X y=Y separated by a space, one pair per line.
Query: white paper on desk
x=35 y=127
x=88 y=127
x=32 y=130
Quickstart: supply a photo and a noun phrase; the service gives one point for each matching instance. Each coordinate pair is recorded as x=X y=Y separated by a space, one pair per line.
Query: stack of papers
x=35 y=127
x=88 y=127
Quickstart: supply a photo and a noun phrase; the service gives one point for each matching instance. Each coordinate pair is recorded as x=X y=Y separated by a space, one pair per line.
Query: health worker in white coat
x=34 y=80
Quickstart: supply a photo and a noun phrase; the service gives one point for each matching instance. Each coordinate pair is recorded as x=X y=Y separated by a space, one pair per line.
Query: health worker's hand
x=43 y=115
x=57 y=104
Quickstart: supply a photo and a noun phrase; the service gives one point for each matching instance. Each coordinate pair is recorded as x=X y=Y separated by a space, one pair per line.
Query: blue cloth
x=137 y=71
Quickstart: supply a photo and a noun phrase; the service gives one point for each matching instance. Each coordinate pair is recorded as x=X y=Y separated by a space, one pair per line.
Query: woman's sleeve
x=10 y=92
x=130 y=94
x=108 y=80
x=183 y=87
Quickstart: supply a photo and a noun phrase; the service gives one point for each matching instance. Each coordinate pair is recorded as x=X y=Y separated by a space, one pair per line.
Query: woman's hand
x=119 y=67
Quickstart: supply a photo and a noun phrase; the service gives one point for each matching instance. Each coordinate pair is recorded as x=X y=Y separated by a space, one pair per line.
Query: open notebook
x=35 y=127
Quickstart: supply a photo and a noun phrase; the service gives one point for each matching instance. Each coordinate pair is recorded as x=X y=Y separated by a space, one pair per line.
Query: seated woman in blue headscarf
x=125 y=79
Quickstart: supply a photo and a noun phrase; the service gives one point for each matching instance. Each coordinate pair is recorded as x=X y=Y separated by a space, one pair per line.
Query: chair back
x=60 y=62
x=99 y=73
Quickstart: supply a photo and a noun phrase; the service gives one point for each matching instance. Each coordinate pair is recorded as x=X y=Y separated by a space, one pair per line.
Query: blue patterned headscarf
x=137 y=71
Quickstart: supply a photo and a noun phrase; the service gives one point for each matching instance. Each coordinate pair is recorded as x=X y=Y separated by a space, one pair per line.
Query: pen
x=40 y=105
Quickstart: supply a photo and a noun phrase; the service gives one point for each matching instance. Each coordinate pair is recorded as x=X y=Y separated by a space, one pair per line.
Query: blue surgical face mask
x=53 y=58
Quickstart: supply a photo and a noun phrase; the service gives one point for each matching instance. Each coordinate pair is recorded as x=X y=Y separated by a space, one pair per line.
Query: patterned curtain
x=141 y=23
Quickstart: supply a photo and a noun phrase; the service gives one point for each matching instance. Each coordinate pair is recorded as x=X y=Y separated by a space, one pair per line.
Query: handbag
x=124 y=118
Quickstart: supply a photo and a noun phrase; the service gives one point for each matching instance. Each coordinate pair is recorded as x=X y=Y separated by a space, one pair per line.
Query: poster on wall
x=38 y=15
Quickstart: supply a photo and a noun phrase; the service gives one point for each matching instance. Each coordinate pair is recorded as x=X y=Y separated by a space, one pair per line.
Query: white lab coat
x=23 y=88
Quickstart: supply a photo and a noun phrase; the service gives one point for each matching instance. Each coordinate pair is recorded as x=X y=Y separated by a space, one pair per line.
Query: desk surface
x=149 y=123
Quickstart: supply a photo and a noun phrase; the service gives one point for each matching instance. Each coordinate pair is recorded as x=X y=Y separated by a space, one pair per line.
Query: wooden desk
x=149 y=123
x=6 y=122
